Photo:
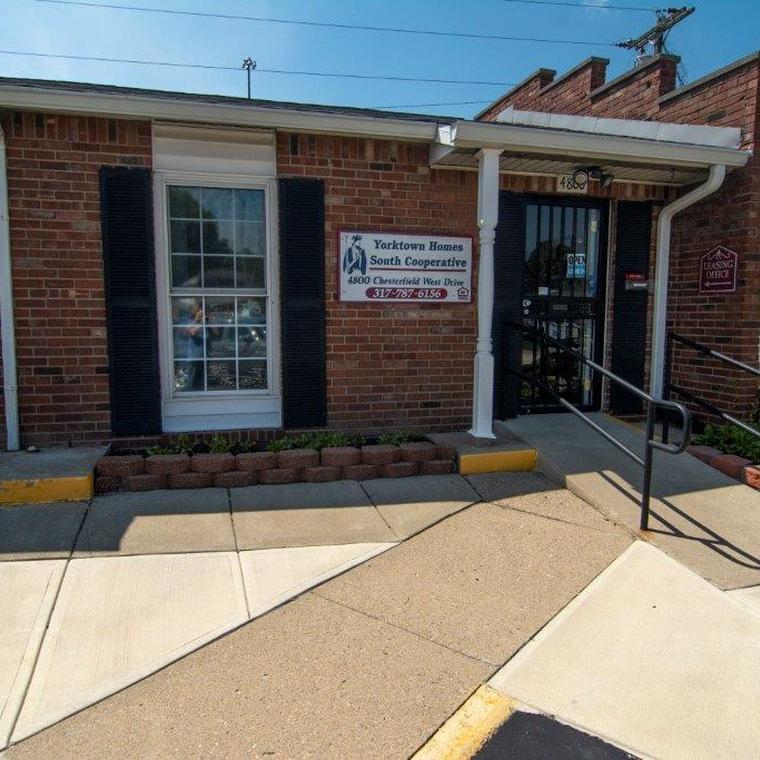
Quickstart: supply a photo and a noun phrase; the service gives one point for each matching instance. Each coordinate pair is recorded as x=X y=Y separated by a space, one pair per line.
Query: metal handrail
x=653 y=404
x=669 y=385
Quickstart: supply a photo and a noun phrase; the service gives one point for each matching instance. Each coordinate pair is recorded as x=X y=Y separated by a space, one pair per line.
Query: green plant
x=182 y=444
x=282 y=444
x=731 y=440
x=243 y=446
x=402 y=436
x=219 y=444
x=318 y=440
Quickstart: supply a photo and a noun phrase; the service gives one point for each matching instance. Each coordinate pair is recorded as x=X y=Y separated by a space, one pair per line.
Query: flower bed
x=283 y=464
x=731 y=450
x=732 y=465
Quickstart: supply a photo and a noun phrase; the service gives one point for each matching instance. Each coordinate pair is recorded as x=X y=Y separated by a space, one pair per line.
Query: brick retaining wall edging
x=159 y=471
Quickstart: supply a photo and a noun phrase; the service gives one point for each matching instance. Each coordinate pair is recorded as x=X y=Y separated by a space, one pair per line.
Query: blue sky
x=719 y=32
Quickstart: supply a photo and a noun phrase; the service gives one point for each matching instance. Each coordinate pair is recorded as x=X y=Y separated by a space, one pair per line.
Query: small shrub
x=219 y=445
x=182 y=444
x=317 y=440
x=402 y=436
x=282 y=444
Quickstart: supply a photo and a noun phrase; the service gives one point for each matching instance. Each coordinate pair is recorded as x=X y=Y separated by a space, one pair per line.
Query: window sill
x=182 y=415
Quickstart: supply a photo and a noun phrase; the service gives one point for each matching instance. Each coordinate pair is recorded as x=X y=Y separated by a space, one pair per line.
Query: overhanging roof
x=532 y=142
x=542 y=143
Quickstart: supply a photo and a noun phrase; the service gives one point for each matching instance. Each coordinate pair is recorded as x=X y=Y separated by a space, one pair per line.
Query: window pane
x=220 y=341
x=250 y=272
x=218 y=272
x=250 y=239
x=221 y=376
x=185 y=237
x=252 y=342
x=216 y=203
x=184 y=202
x=187 y=310
x=188 y=376
x=220 y=311
x=253 y=375
x=217 y=237
x=188 y=342
x=249 y=205
x=186 y=271
x=251 y=311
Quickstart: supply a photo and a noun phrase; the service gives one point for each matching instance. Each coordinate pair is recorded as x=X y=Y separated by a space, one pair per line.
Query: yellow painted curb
x=78 y=488
x=465 y=732
x=520 y=460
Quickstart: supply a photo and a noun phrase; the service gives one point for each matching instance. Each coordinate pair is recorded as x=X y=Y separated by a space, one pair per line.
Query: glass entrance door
x=563 y=297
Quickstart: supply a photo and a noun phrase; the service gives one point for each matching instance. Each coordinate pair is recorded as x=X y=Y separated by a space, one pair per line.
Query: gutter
x=7 y=328
x=664 y=225
x=176 y=109
x=597 y=146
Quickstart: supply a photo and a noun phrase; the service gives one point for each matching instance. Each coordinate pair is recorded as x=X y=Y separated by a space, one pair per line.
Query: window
x=217 y=245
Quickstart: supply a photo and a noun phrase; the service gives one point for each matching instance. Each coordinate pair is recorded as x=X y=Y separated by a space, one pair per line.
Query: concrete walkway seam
x=237 y=551
x=380 y=514
x=469 y=656
x=49 y=617
x=465 y=732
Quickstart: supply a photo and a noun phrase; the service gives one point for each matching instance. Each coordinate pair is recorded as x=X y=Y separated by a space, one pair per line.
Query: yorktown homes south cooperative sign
x=381 y=266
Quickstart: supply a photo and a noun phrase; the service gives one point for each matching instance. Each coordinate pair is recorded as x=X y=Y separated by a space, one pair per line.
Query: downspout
x=7 y=330
x=664 y=224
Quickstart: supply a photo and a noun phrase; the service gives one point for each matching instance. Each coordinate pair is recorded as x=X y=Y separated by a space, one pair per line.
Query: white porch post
x=488 y=216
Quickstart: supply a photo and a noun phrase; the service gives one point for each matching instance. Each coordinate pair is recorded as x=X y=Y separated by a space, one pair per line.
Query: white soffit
x=688 y=134
x=220 y=150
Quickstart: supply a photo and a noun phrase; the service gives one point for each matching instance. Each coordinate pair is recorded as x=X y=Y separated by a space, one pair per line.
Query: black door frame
x=510 y=263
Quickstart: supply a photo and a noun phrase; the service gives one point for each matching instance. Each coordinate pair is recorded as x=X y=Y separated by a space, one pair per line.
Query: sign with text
x=381 y=266
x=717 y=271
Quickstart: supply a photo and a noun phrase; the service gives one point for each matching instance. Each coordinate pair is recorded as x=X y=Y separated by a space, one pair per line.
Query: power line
x=431 y=105
x=591 y=6
x=259 y=70
x=327 y=25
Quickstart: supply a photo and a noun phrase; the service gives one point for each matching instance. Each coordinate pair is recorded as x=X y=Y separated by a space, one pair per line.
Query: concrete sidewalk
x=124 y=585
x=652 y=657
x=700 y=517
x=370 y=663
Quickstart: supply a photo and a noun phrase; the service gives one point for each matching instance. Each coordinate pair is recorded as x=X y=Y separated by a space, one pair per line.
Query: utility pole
x=656 y=36
x=249 y=65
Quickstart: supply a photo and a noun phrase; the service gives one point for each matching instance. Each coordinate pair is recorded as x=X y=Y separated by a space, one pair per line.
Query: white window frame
x=216 y=410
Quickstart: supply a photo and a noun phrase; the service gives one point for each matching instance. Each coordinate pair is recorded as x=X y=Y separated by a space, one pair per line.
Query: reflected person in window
x=191 y=318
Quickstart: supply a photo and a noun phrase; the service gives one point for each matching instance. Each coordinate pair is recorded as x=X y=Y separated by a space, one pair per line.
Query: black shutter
x=629 y=325
x=128 y=262
x=302 y=290
x=508 y=273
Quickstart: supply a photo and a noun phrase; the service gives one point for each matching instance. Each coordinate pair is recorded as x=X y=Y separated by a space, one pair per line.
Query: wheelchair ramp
x=699 y=516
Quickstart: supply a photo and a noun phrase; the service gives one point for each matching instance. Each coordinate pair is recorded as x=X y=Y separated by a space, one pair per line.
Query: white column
x=488 y=216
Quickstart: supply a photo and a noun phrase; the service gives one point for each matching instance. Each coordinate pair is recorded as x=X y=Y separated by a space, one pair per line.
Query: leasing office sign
x=380 y=266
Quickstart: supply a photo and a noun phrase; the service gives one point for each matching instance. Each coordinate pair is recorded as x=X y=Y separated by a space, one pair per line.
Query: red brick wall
x=730 y=217
x=392 y=365
x=53 y=164
x=635 y=96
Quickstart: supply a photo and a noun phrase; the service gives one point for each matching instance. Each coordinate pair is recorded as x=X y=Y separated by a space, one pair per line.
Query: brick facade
x=57 y=266
x=388 y=366
x=392 y=365
x=730 y=217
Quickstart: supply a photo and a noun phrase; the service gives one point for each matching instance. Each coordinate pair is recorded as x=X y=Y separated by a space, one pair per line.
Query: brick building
x=178 y=262
x=727 y=97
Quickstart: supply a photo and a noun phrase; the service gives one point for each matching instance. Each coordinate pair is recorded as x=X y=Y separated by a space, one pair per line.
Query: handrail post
x=646 y=486
x=669 y=347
